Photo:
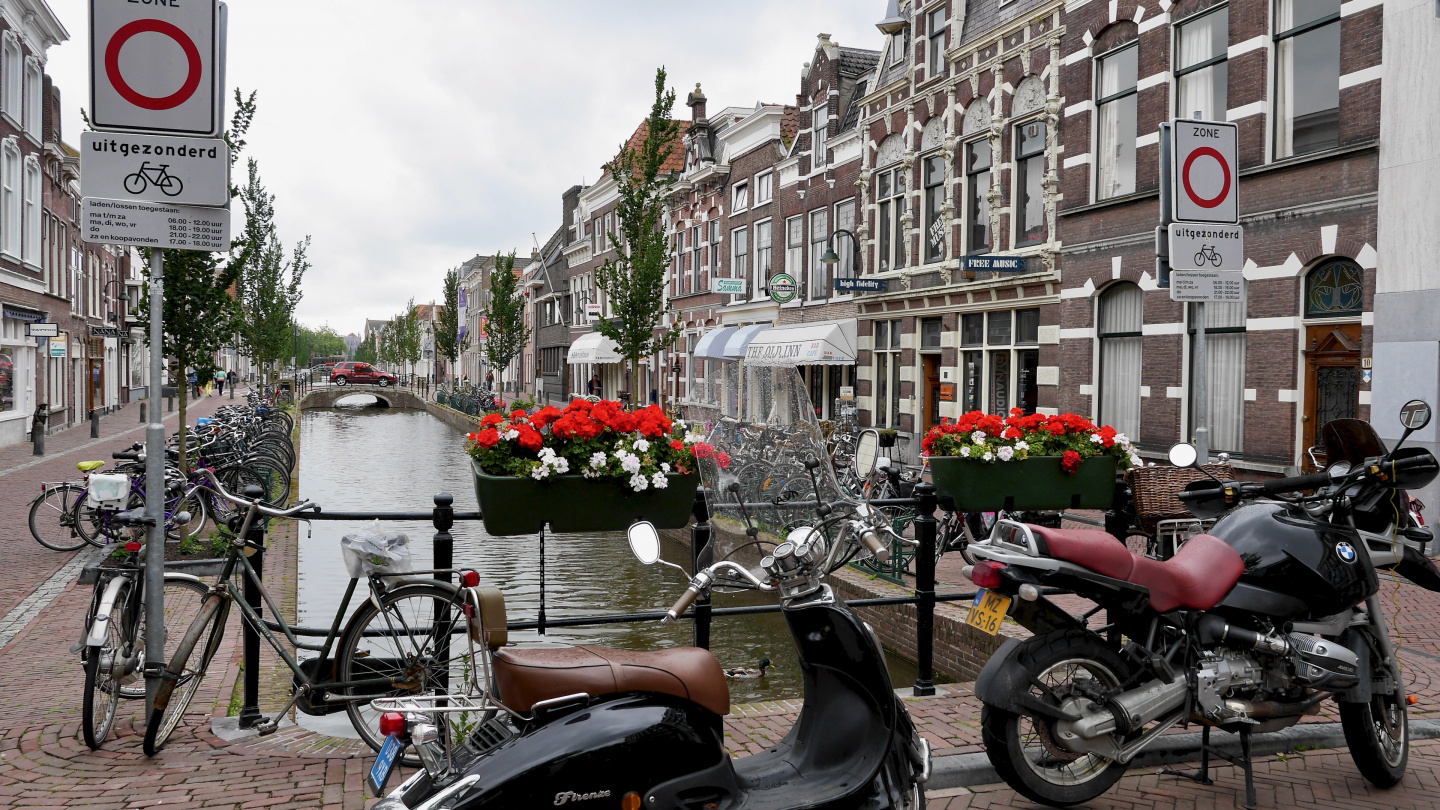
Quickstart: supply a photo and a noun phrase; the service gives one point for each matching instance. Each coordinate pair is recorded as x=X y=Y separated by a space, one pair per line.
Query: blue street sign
x=861 y=285
x=996 y=264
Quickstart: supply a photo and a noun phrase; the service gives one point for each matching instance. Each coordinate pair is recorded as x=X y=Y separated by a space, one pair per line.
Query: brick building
x=1302 y=81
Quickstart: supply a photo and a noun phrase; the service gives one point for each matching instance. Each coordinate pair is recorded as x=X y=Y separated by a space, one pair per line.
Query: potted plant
x=887 y=437
x=987 y=463
x=591 y=467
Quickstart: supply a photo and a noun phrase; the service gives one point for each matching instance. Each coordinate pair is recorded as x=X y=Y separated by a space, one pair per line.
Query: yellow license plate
x=989 y=611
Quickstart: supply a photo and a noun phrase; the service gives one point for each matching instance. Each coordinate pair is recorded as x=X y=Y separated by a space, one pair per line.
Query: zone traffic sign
x=1206 y=185
x=155 y=67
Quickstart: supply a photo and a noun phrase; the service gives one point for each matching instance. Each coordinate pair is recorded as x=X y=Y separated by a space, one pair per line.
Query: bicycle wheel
x=102 y=690
x=52 y=519
x=183 y=675
x=94 y=524
x=405 y=642
x=184 y=597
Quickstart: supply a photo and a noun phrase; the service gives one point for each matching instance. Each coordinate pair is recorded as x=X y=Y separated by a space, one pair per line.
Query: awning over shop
x=810 y=344
x=593 y=347
x=735 y=346
x=712 y=344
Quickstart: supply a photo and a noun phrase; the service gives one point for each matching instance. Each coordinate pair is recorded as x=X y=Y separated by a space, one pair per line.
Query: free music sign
x=1206 y=185
x=155 y=66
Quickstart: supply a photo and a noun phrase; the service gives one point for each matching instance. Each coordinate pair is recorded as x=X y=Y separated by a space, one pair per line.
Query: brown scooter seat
x=525 y=677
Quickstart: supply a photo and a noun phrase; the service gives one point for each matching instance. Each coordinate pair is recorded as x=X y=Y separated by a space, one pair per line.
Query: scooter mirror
x=644 y=542
x=1183 y=455
x=1415 y=414
x=866 y=450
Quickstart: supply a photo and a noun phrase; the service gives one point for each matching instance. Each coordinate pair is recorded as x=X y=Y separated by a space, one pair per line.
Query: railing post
x=925 y=527
x=443 y=557
x=701 y=555
x=250 y=711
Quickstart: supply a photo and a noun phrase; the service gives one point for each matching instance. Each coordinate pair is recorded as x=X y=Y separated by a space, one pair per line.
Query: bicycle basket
x=108 y=491
x=373 y=550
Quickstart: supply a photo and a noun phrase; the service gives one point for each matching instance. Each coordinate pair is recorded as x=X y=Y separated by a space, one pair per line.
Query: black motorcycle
x=1246 y=629
x=599 y=727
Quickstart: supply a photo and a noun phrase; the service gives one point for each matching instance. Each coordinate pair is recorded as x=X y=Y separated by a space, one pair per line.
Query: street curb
x=969 y=770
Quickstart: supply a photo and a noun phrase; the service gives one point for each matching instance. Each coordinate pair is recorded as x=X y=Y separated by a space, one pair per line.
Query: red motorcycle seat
x=1198 y=576
x=528 y=676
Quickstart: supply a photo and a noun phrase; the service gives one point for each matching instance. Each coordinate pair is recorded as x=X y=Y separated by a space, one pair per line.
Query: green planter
x=573 y=503
x=1032 y=483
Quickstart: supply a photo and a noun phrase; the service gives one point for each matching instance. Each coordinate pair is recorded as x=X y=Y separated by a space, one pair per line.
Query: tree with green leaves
x=635 y=282
x=449 y=342
x=269 y=284
x=402 y=340
x=504 y=312
x=366 y=351
x=323 y=342
x=198 y=312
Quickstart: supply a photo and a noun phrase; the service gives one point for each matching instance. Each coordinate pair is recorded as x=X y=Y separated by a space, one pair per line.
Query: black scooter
x=597 y=727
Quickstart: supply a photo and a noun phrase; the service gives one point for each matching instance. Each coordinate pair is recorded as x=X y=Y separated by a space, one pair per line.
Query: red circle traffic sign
x=192 y=55
x=1224 y=169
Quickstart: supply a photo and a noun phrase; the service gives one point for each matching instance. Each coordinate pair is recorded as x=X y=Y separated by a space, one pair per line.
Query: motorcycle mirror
x=1415 y=414
x=644 y=542
x=1183 y=455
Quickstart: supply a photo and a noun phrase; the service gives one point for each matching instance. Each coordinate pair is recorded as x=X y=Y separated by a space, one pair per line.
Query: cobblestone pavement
x=44 y=763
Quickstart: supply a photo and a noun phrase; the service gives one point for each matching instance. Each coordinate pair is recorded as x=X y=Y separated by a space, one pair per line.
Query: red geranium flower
x=723 y=459
x=529 y=438
x=1070 y=462
x=677 y=445
x=488 y=438
x=545 y=416
x=491 y=420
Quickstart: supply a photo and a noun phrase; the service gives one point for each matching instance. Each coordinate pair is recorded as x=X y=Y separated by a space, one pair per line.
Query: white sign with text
x=124 y=166
x=150 y=224
x=1206 y=247
x=1207 y=285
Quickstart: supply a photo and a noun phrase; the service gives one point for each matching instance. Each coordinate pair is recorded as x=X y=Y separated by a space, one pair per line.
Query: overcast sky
x=407 y=137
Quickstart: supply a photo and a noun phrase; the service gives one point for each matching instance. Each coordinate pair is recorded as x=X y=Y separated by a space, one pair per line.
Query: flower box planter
x=573 y=503
x=1032 y=483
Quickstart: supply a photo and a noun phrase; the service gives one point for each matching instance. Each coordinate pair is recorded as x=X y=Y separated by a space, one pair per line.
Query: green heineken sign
x=783 y=288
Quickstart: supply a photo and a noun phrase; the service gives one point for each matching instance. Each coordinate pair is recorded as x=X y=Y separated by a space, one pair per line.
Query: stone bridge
x=387 y=397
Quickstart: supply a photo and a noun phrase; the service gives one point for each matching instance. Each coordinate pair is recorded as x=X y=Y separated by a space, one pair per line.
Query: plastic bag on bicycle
x=374 y=549
x=108 y=491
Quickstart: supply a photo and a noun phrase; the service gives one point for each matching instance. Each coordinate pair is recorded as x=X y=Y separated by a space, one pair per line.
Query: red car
x=350 y=372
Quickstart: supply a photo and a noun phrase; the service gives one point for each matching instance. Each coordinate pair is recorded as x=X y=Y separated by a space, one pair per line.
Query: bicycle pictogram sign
x=1208 y=254
x=143 y=177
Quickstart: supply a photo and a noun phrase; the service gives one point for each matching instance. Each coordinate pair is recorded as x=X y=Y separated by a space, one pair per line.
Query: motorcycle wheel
x=1378 y=734
x=1022 y=749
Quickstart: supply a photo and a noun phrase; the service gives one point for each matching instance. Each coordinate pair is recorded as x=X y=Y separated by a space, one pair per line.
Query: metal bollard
x=701 y=556
x=38 y=435
x=169 y=404
x=94 y=423
x=444 y=558
x=250 y=712
x=925 y=528
x=142 y=412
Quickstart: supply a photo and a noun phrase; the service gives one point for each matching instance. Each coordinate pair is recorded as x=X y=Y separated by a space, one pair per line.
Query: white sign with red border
x=1206 y=186
x=155 y=66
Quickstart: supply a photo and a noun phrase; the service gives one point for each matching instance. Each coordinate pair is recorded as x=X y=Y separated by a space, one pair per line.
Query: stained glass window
x=1335 y=288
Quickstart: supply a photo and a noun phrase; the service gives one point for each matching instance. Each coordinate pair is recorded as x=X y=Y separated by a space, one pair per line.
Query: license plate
x=988 y=612
x=385 y=763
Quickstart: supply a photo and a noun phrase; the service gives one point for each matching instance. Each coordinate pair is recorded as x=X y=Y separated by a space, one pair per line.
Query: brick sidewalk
x=25 y=562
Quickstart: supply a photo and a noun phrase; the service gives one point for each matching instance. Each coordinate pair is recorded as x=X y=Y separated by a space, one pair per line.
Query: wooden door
x=1332 y=381
x=932 y=391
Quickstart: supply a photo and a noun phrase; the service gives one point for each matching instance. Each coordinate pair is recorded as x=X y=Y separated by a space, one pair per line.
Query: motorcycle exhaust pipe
x=1129 y=711
x=1213 y=629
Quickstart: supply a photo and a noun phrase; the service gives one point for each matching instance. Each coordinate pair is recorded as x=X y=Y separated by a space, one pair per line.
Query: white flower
x=1006 y=453
x=1136 y=462
x=511 y=435
x=560 y=463
x=642 y=445
x=965 y=451
x=1095 y=438
x=691 y=438
x=665 y=466
x=639 y=482
x=1022 y=445
x=1122 y=439
x=546 y=453
x=597 y=460
x=659 y=481
x=978 y=436
x=589 y=474
x=630 y=463
x=989 y=456
x=539 y=472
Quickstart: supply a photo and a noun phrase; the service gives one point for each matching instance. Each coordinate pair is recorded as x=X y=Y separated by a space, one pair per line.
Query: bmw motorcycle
x=597 y=727
x=1246 y=628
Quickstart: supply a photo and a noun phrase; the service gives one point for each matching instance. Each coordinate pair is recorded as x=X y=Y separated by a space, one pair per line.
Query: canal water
x=361 y=458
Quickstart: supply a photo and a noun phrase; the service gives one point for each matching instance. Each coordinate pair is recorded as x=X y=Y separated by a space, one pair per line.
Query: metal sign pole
x=1201 y=372
x=155 y=491
x=1162 y=236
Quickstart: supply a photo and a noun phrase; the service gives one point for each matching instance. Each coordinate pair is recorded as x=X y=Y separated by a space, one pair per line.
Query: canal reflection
x=382 y=459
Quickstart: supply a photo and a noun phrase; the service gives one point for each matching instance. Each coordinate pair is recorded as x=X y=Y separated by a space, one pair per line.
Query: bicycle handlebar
x=258 y=506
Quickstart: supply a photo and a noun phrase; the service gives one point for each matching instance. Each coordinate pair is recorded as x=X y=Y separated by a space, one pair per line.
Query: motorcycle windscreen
x=1352 y=440
x=761 y=425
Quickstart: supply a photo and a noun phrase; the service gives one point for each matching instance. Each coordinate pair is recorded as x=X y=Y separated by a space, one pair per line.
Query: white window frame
x=795 y=246
x=740 y=197
x=1133 y=91
x=11 y=171
x=764 y=246
x=1277 y=37
x=764 y=188
x=819 y=154
x=11 y=77
x=886 y=411
x=894 y=205
x=927 y=204
x=935 y=37
x=819 y=274
x=846 y=249
x=1179 y=72
x=30 y=212
x=740 y=253
x=1017 y=230
x=33 y=99
x=970 y=207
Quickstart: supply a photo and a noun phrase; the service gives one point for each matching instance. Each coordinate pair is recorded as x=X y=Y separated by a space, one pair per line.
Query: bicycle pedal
x=268 y=727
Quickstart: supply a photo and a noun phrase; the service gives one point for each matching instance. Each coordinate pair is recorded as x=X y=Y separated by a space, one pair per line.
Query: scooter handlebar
x=871 y=541
x=682 y=604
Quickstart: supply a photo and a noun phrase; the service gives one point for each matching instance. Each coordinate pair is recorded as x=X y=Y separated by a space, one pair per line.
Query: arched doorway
x=1333 y=302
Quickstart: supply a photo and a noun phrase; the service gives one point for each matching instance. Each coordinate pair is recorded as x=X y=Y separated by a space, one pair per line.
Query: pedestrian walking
x=490 y=380
x=220 y=385
x=232 y=378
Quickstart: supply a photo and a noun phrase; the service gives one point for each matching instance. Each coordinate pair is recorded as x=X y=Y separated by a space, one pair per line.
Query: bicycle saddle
x=89 y=466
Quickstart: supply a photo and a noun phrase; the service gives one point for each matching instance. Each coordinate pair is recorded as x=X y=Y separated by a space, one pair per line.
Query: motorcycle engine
x=1322 y=662
x=1221 y=672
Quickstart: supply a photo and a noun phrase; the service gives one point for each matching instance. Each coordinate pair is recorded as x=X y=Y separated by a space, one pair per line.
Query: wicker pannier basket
x=1156 y=491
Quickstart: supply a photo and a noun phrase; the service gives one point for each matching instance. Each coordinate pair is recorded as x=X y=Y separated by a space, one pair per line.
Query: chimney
x=696 y=102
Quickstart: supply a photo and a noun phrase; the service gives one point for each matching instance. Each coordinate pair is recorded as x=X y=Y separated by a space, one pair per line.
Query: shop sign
x=42 y=330
x=947 y=392
x=996 y=264
x=107 y=331
x=861 y=285
x=58 y=344
x=783 y=288
x=847 y=393
x=728 y=286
